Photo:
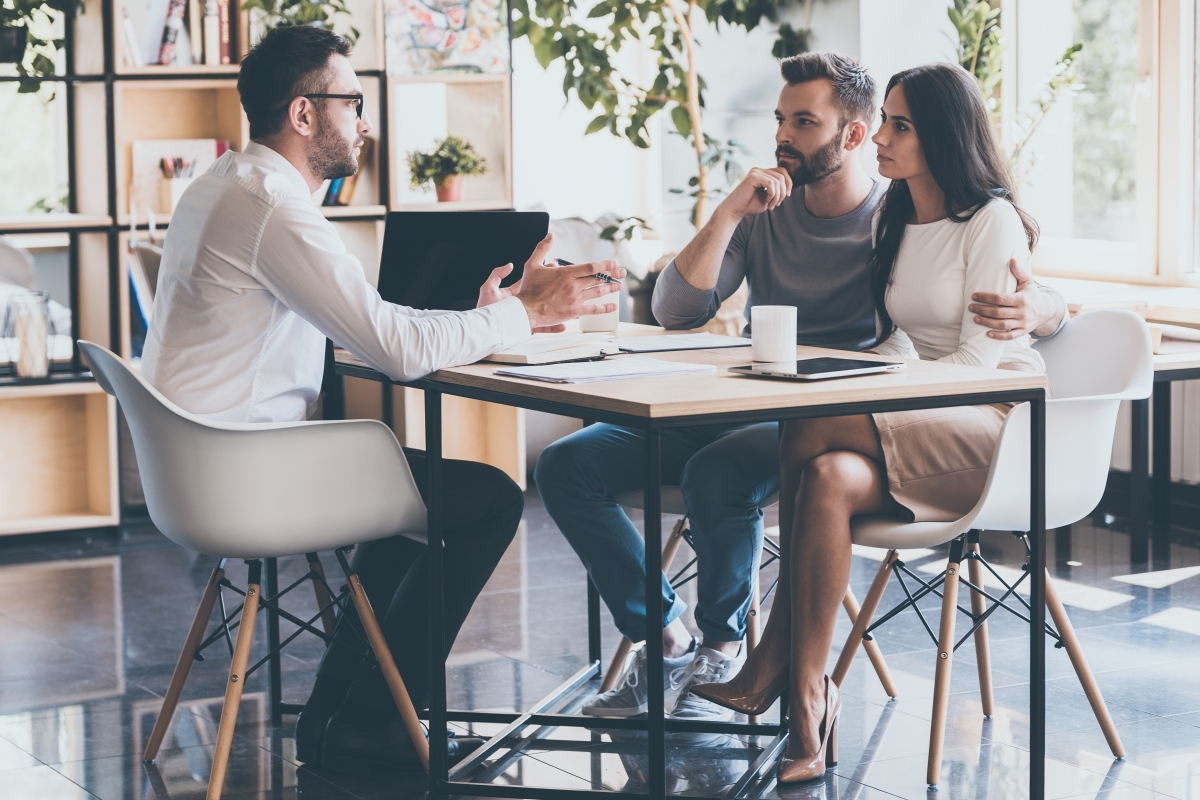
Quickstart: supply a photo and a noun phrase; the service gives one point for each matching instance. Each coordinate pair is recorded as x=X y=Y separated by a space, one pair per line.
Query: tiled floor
x=90 y=628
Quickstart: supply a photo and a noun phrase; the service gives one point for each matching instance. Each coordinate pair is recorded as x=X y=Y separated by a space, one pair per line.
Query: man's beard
x=331 y=155
x=819 y=165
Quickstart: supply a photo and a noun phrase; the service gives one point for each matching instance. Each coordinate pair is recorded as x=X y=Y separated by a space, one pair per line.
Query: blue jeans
x=724 y=473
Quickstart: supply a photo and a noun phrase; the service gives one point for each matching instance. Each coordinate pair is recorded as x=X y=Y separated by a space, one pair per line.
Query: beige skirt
x=938 y=458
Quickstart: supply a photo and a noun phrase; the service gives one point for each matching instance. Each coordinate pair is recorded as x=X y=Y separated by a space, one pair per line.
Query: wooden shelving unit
x=58 y=440
x=58 y=465
x=475 y=107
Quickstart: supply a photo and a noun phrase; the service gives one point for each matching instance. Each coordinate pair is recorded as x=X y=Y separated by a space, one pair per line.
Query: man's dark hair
x=853 y=88
x=289 y=61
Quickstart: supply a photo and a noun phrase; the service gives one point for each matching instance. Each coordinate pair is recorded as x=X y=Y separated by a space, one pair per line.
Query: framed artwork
x=425 y=36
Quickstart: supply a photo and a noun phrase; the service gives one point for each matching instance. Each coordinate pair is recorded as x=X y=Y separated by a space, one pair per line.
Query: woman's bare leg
x=802 y=441
x=840 y=471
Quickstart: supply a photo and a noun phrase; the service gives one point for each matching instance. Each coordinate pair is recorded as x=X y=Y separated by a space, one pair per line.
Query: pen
x=600 y=276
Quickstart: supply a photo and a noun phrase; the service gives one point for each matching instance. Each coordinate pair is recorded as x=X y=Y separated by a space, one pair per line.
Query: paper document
x=682 y=341
x=614 y=370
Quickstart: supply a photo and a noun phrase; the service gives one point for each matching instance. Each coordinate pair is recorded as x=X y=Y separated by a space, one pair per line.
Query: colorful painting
x=447 y=35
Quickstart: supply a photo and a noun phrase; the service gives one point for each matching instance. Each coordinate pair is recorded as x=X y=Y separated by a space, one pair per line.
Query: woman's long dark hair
x=960 y=147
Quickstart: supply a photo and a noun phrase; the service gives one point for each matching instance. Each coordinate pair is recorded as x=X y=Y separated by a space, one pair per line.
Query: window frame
x=1168 y=196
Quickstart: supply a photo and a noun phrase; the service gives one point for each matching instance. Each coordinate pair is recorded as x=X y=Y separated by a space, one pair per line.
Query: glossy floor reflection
x=92 y=625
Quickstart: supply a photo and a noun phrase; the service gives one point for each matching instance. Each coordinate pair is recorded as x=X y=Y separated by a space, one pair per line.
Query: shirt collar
x=279 y=163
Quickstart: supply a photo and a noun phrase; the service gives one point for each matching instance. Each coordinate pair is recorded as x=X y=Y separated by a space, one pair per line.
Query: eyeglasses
x=358 y=107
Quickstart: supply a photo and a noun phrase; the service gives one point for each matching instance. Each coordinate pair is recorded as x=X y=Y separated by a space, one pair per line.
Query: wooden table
x=655 y=404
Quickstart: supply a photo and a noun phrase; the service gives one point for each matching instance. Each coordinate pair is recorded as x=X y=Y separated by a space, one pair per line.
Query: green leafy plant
x=37 y=17
x=49 y=204
x=623 y=228
x=450 y=156
x=327 y=14
x=980 y=52
x=589 y=49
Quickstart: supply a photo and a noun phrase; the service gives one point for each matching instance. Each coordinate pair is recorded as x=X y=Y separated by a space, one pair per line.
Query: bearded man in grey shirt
x=800 y=234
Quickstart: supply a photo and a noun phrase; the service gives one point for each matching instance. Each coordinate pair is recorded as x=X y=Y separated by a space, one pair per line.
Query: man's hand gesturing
x=553 y=294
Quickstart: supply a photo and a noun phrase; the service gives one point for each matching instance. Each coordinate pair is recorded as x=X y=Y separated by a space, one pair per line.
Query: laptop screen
x=439 y=259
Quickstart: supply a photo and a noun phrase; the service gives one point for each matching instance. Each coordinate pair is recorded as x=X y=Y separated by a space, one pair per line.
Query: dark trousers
x=482 y=508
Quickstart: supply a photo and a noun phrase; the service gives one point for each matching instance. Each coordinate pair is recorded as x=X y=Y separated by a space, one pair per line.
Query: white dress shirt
x=939 y=266
x=253 y=279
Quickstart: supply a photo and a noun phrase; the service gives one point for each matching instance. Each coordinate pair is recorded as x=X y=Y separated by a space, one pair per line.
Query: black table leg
x=1161 y=532
x=275 y=666
x=437 y=612
x=656 y=730
x=1037 y=601
x=1139 y=483
x=593 y=604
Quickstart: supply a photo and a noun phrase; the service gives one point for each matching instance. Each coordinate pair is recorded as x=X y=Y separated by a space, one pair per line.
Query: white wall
x=555 y=165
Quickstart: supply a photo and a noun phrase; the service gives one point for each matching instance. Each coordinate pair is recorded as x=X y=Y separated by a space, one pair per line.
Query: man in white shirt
x=252 y=282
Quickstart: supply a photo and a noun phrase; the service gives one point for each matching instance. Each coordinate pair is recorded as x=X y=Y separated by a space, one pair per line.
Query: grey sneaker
x=629 y=697
x=708 y=666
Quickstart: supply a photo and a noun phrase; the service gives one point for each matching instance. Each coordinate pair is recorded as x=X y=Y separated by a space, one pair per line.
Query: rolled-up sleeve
x=678 y=305
x=306 y=266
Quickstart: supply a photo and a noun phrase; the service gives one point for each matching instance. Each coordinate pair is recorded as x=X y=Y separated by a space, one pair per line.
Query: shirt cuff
x=1066 y=317
x=513 y=322
x=677 y=301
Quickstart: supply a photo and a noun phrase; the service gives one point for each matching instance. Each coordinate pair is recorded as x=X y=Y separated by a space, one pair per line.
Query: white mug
x=596 y=323
x=773 y=333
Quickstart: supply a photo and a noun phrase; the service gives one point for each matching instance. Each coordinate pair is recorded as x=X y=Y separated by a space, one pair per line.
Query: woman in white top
x=947 y=228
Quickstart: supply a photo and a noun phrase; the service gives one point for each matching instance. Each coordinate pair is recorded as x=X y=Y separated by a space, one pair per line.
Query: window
x=1090 y=174
x=1110 y=172
x=33 y=160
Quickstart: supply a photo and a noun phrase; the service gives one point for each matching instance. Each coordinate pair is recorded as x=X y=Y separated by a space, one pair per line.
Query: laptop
x=439 y=259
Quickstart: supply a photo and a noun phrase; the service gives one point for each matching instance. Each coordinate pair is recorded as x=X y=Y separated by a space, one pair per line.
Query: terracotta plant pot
x=449 y=188
x=12 y=44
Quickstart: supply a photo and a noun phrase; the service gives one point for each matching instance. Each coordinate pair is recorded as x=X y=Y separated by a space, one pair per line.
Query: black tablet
x=439 y=259
x=816 y=369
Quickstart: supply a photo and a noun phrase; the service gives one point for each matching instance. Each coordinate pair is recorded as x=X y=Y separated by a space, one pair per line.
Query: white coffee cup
x=773 y=333
x=596 y=323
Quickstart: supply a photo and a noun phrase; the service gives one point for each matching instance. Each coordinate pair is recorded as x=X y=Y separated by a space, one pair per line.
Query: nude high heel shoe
x=807 y=768
x=732 y=695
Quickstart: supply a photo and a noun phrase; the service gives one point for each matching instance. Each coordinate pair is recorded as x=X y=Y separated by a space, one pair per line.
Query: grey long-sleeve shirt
x=790 y=258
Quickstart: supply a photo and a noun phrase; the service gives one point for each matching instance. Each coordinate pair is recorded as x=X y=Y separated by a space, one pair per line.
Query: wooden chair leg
x=863 y=621
x=850 y=603
x=983 y=654
x=624 y=646
x=1082 y=670
x=237 y=681
x=183 y=667
x=753 y=626
x=323 y=598
x=387 y=665
x=945 y=657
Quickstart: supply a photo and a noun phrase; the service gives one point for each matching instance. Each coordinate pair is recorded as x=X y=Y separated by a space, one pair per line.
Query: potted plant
x=452 y=159
x=318 y=13
x=22 y=27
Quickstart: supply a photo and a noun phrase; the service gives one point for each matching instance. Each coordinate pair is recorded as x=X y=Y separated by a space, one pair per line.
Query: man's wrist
x=535 y=319
x=1051 y=317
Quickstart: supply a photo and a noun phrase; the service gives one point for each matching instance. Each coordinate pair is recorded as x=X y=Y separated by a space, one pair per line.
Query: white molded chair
x=256 y=491
x=671 y=502
x=1098 y=360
